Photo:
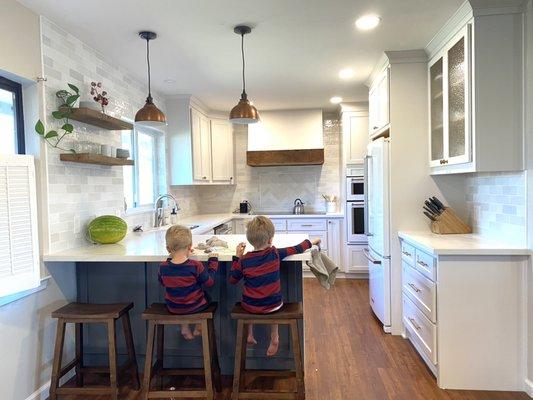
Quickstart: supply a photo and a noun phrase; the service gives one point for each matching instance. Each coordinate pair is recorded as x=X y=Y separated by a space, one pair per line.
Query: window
x=145 y=180
x=11 y=118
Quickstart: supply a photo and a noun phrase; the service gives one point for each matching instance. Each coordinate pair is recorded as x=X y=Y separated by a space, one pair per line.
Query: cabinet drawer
x=422 y=332
x=306 y=225
x=426 y=264
x=421 y=290
x=279 y=224
x=357 y=262
x=316 y=234
x=408 y=253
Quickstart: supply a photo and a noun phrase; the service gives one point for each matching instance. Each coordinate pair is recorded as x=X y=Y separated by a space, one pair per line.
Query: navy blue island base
x=118 y=282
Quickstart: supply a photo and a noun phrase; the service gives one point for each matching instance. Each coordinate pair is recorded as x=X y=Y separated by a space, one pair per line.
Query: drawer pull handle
x=416 y=326
x=414 y=287
x=406 y=253
x=307 y=225
x=423 y=264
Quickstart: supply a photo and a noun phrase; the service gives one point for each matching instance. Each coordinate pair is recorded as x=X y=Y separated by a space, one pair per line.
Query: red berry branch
x=99 y=97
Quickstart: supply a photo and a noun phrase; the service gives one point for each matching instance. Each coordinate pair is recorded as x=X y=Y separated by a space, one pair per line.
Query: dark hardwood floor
x=348 y=356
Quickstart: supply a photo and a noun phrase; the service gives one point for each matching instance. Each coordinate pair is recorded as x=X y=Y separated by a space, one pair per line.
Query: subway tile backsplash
x=496 y=205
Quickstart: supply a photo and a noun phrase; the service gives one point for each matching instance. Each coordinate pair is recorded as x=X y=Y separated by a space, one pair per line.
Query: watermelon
x=107 y=229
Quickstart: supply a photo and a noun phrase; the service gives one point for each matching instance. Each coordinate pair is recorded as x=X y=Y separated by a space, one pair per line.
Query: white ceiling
x=293 y=54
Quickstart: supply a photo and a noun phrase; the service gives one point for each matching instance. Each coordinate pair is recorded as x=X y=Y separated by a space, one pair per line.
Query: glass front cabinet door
x=449 y=92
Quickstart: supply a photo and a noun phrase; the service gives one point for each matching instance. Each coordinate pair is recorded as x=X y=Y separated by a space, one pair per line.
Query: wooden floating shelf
x=98 y=159
x=97 y=118
x=285 y=157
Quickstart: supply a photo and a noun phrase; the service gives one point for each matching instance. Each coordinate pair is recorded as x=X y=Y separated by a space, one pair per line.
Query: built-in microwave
x=355 y=213
x=355 y=184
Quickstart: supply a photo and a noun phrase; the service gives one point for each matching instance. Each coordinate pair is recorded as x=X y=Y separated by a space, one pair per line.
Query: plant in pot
x=54 y=137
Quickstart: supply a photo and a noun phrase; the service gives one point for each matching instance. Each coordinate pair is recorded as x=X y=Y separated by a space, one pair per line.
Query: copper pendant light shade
x=149 y=115
x=244 y=112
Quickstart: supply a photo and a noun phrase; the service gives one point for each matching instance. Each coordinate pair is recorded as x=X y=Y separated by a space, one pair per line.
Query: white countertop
x=150 y=247
x=207 y=222
x=467 y=244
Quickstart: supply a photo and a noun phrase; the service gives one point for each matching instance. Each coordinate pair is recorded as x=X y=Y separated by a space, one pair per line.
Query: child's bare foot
x=197 y=330
x=274 y=341
x=186 y=332
x=273 y=346
x=250 y=340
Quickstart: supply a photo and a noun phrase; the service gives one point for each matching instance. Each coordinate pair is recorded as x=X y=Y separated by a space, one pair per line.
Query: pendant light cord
x=243 y=67
x=148 y=62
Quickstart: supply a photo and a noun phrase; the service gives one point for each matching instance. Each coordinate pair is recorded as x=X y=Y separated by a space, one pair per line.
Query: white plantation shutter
x=19 y=247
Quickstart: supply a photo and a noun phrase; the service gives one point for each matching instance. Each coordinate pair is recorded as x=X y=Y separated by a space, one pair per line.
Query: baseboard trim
x=529 y=387
x=41 y=393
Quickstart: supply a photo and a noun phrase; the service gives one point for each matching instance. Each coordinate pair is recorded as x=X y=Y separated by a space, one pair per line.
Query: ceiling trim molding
x=498 y=7
x=463 y=14
x=407 y=56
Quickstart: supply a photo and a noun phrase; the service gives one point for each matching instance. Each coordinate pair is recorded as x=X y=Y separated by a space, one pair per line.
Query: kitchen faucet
x=159 y=212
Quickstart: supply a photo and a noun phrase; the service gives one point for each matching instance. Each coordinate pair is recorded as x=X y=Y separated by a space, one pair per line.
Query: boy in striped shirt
x=183 y=278
x=260 y=270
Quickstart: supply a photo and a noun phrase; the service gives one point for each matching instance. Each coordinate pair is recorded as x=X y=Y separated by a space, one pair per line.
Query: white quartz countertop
x=207 y=222
x=464 y=244
x=150 y=247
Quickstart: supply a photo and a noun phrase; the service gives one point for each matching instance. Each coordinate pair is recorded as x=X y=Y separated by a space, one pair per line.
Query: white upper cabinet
x=222 y=151
x=475 y=88
x=355 y=133
x=378 y=103
x=200 y=148
x=449 y=93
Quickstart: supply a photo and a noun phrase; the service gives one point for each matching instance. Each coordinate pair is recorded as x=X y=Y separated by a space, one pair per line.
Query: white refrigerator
x=377 y=225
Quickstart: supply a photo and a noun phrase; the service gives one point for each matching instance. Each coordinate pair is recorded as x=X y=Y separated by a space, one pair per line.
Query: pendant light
x=244 y=112
x=149 y=115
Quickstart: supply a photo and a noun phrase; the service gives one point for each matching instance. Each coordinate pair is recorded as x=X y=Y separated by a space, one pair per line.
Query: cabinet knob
x=204 y=177
x=375 y=127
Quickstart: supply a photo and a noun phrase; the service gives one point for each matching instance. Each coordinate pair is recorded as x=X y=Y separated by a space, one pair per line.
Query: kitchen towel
x=323 y=268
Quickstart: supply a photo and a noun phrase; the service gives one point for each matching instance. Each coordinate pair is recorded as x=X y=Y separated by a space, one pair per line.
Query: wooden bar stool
x=289 y=314
x=82 y=313
x=158 y=316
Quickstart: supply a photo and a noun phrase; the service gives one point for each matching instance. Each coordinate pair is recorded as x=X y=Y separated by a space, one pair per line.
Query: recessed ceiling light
x=346 y=73
x=169 y=80
x=367 y=22
x=335 y=100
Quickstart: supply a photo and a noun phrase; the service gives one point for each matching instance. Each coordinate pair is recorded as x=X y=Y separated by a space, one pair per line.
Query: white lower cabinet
x=461 y=313
x=328 y=230
x=356 y=263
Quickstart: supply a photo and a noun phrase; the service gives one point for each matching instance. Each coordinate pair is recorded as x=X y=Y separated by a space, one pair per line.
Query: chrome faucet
x=159 y=211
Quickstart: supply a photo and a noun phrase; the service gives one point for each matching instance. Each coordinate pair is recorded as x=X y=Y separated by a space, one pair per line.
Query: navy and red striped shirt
x=183 y=284
x=260 y=271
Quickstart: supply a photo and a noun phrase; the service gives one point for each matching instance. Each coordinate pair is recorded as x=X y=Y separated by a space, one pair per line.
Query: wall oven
x=355 y=184
x=355 y=213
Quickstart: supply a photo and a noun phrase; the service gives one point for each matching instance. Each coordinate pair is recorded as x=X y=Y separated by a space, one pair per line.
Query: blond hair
x=178 y=237
x=259 y=231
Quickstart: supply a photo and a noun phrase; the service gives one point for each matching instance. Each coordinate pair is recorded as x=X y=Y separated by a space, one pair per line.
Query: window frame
x=134 y=145
x=16 y=89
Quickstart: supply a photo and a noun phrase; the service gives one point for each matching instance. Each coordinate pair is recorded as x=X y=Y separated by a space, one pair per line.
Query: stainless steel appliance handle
x=366 y=217
x=369 y=257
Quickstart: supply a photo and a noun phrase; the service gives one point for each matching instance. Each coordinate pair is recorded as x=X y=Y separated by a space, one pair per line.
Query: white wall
x=529 y=143
x=27 y=331
x=19 y=41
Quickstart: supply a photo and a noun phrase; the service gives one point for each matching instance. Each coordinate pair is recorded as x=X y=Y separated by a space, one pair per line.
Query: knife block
x=448 y=223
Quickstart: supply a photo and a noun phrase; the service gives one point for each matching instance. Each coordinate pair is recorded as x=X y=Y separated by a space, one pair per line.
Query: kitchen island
x=127 y=272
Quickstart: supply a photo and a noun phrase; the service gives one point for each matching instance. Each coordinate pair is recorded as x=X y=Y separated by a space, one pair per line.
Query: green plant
x=53 y=137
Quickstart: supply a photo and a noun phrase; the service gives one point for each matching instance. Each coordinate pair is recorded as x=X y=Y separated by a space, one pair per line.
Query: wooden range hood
x=286 y=138
x=273 y=158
